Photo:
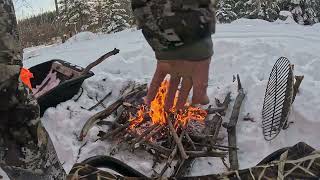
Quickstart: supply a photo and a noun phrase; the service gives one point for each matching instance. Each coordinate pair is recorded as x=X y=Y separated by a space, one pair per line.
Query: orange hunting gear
x=25 y=76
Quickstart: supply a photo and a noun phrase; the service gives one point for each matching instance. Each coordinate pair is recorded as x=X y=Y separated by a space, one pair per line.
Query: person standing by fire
x=179 y=32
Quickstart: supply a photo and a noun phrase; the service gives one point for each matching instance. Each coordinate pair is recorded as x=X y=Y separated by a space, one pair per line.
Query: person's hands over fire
x=191 y=74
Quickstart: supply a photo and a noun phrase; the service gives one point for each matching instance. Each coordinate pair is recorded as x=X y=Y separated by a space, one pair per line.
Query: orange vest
x=25 y=76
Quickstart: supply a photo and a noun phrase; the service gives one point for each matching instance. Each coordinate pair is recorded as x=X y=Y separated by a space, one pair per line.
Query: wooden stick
x=177 y=139
x=190 y=141
x=114 y=132
x=100 y=60
x=101 y=101
x=101 y=115
x=107 y=112
x=296 y=86
x=216 y=146
x=172 y=155
x=197 y=154
x=150 y=135
x=145 y=133
x=231 y=127
x=217 y=130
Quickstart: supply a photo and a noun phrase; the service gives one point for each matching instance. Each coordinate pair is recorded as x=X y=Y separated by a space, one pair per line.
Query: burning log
x=231 y=127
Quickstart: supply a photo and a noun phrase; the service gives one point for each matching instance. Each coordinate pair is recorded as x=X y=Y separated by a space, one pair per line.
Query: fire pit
x=170 y=136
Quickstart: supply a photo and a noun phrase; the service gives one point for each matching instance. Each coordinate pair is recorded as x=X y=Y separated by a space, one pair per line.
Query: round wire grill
x=278 y=99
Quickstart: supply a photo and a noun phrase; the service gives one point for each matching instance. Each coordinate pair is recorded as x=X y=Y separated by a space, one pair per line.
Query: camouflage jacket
x=26 y=151
x=167 y=24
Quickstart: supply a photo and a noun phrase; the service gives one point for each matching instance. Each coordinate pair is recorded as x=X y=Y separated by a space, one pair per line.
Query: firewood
x=101 y=115
x=296 y=86
x=101 y=101
x=190 y=141
x=212 y=153
x=176 y=139
x=231 y=127
x=222 y=107
x=216 y=129
x=100 y=60
x=115 y=131
x=216 y=146
x=172 y=155
x=108 y=111
x=157 y=130
x=145 y=133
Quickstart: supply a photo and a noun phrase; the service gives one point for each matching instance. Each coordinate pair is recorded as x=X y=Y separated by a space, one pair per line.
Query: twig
x=177 y=139
x=77 y=99
x=101 y=101
x=296 y=86
x=80 y=149
x=100 y=60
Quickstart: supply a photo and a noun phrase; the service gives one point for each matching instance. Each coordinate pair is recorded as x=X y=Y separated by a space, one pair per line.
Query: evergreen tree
x=225 y=12
x=269 y=10
x=76 y=12
x=115 y=16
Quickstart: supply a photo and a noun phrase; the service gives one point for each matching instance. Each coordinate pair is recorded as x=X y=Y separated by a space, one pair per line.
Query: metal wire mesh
x=278 y=99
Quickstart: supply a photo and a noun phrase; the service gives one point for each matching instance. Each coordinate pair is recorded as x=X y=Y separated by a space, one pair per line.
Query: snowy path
x=246 y=47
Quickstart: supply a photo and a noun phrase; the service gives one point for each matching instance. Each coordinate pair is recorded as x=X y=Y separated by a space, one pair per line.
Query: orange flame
x=158 y=114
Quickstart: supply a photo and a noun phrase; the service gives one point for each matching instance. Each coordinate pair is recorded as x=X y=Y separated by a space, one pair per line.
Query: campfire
x=171 y=136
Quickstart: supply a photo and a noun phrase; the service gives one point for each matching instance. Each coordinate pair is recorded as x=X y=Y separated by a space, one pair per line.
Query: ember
x=159 y=116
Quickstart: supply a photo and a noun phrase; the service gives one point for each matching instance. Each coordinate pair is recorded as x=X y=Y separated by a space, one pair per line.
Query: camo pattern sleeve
x=168 y=24
x=26 y=151
x=10 y=55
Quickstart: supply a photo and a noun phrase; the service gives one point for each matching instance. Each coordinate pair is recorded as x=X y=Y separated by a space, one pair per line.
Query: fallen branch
x=100 y=60
x=231 y=127
x=177 y=139
x=101 y=101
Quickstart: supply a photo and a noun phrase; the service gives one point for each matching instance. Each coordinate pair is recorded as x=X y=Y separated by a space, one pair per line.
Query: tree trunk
x=57 y=7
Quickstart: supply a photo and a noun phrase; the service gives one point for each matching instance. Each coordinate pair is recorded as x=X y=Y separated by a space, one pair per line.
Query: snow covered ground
x=245 y=47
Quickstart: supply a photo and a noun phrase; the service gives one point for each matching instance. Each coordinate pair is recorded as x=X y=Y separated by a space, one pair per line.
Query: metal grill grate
x=278 y=99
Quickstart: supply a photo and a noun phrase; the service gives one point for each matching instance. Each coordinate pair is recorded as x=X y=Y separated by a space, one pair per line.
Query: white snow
x=249 y=51
x=285 y=13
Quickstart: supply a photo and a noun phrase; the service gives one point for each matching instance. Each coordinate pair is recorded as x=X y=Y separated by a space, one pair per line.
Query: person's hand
x=190 y=73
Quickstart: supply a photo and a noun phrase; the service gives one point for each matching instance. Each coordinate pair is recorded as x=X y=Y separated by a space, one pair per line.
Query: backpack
x=169 y=24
